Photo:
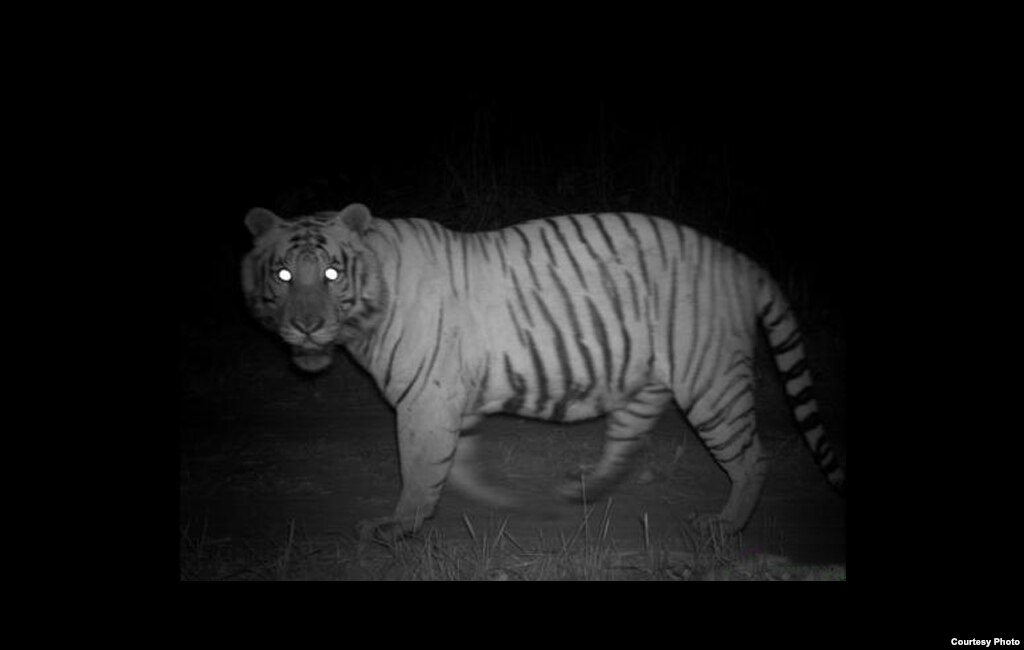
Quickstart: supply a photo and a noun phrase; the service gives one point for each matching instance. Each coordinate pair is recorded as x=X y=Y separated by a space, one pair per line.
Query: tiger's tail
x=786 y=342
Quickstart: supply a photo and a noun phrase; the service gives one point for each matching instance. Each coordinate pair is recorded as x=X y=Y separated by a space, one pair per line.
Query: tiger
x=561 y=319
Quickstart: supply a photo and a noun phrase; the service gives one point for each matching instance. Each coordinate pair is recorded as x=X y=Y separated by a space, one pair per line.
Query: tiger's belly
x=560 y=404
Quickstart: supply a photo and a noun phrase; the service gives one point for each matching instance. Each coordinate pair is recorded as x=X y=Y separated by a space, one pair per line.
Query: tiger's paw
x=381 y=529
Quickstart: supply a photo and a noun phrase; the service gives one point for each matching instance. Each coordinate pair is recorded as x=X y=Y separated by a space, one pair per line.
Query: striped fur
x=561 y=319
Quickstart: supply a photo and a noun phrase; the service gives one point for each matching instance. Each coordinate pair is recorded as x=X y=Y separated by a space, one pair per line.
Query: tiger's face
x=312 y=281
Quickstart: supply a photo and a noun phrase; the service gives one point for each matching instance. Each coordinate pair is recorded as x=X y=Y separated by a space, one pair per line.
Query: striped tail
x=787 y=349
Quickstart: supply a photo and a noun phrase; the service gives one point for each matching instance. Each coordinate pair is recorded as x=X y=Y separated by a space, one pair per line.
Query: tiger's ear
x=356 y=217
x=260 y=220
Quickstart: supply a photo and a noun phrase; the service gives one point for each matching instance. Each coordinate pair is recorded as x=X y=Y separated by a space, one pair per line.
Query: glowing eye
x=331 y=274
x=284 y=275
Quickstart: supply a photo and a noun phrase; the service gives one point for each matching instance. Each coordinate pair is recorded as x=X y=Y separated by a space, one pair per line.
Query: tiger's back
x=591 y=320
x=561 y=319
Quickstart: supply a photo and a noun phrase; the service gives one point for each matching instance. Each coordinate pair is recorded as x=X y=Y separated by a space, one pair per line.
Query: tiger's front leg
x=426 y=449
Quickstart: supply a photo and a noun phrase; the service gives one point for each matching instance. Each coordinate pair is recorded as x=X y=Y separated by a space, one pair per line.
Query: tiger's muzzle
x=307 y=323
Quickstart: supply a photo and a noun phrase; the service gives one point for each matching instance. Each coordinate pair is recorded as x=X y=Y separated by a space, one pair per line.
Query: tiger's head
x=314 y=281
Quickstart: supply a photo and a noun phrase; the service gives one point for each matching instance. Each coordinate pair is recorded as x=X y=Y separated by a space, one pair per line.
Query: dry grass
x=492 y=553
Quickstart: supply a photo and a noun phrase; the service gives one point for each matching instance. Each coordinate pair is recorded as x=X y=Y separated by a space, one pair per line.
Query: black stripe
x=661 y=242
x=681 y=236
x=672 y=322
x=798 y=368
x=720 y=357
x=789 y=344
x=708 y=344
x=612 y=291
x=738 y=379
x=391 y=362
x=560 y=407
x=437 y=341
x=742 y=415
x=597 y=219
x=716 y=418
x=522 y=299
x=568 y=252
x=635 y=295
x=583 y=238
x=805 y=395
x=520 y=332
x=449 y=259
x=526 y=241
x=398 y=272
x=695 y=320
x=741 y=360
x=653 y=297
x=396 y=231
x=542 y=378
x=714 y=271
x=775 y=321
x=465 y=260
x=602 y=340
x=809 y=423
x=385 y=332
x=547 y=245
x=484 y=240
x=500 y=247
x=449 y=458
x=561 y=351
x=743 y=448
x=733 y=312
x=426 y=237
x=640 y=256
x=528 y=258
x=577 y=331
x=411 y=383
x=733 y=296
x=627 y=347
x=518 y=384
x=481 y=389
x=529 y=254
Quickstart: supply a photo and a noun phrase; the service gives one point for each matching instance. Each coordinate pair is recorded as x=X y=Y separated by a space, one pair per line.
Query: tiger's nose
x=308 y=325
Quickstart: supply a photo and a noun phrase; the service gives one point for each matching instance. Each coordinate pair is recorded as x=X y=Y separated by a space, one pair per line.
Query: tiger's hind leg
x=725 y=421
x=466 y=475
x=626 y=433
